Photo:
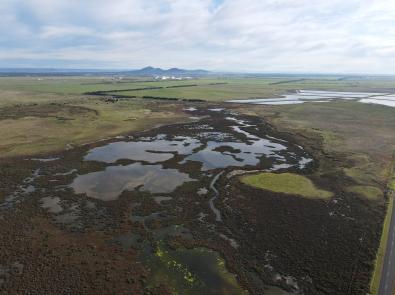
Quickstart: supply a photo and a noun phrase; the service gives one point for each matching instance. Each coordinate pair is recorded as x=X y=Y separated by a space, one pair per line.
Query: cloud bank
x=353 y=36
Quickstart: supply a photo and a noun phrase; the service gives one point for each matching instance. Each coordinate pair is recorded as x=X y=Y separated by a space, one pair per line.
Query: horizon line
x=9 y=70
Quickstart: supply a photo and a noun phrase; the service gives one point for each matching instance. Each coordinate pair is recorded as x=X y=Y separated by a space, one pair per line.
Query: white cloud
x=247 y=35
x=63 y=31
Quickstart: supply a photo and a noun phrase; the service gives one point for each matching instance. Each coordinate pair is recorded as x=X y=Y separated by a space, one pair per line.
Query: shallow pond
x=388 y=101
x=220 y=141
x=191 y=271
x=303 y=96
x=152 y=150
x=52 y=204
x=238 y=154
x=107 y=185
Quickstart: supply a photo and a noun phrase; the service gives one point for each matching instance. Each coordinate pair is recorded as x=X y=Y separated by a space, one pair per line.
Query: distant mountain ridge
x=147 y=71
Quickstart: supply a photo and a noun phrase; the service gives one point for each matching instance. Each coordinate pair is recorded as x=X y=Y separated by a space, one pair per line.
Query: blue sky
x=347 y=36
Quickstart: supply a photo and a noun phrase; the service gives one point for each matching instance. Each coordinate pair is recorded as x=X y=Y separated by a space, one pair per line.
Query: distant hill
x=151 y=71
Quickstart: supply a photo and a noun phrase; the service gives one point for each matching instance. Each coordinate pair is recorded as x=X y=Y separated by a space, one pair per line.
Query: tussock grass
x=288 y=183
x=369 y=192
x=32 y=129
x=392 y=184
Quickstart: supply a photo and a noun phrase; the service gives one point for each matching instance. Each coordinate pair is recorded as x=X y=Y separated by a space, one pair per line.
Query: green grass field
x=32 y=124
x=256 y=88
x=80 y=85
x=235 y=87
x=287 y=183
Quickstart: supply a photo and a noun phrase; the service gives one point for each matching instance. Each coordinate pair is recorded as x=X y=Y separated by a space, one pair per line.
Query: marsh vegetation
x=151 y=195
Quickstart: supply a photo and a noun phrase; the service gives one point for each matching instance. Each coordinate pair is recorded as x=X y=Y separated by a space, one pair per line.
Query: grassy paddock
x=80 y=85
x=43 y=127
x=237 y=88
x=287 y=183
x=208 y=88
x=361 y=133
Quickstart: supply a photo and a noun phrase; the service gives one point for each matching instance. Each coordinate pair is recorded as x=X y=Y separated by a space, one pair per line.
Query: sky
x=301 y=36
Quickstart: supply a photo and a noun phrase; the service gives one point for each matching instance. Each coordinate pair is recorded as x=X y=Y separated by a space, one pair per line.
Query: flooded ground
x=303 y=96
x=192 y=271
x=108 y=185
x=386 y=100
x=166 y=179
x=190 y=157
x=167 y=202
x=159 y=164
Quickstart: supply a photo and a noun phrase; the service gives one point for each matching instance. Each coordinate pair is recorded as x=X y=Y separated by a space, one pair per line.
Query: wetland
x=221 y=199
